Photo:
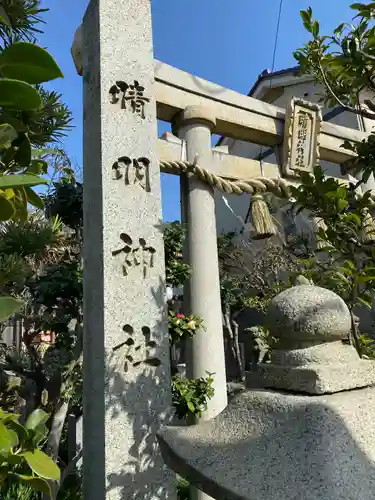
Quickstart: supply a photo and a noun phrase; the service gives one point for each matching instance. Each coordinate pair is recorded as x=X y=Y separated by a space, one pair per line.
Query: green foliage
x=8 y=307
x=19 y=20
x=348 y=264
x=177 y=272
x=252 y=280
x=190 y=397
x=29 y=239
x=367 y=346
x=22 y=460
x=38 y=261
x=341 y=62
x=183 y=492
x=22 y=66
x=29 y=63
x=24 y=106
x=20 y=491
x=181 y=327
x=60 y=283
x=344 y=64
x=49 y=122
x=66 y=201
x=14 y=270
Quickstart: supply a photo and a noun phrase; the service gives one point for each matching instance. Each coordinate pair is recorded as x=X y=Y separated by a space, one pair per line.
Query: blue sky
x=228 y=43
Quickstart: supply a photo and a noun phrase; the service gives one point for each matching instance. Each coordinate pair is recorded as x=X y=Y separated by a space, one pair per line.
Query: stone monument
x=307 y=432
x=126 y=353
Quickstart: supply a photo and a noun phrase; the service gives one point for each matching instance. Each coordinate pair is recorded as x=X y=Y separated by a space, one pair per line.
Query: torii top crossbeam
x=237 y=116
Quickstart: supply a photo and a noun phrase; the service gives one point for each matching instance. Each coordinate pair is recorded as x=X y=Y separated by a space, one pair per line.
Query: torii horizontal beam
x=239 y=116
x=224 y=165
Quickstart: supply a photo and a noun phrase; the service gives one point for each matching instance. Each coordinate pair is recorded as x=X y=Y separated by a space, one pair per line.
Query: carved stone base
x=321 y=369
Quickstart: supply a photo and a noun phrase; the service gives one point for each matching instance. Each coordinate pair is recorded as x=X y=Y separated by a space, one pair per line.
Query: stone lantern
x=307 y=432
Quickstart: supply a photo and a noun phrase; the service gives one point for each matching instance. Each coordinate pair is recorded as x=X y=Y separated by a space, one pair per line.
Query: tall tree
x=344 y=64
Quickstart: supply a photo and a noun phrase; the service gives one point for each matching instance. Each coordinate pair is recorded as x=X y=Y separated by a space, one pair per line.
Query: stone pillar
x=207 y=348
x=126 y=355
x=205 y=352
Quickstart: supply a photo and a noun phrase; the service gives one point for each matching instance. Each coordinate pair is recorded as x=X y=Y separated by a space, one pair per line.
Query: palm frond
x=23 y=16
x=29 y=239
x=48 y=124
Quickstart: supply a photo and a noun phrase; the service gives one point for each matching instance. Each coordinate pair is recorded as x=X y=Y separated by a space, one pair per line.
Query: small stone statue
x=257 y=345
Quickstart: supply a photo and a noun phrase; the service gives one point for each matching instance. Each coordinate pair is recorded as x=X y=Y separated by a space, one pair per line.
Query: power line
x=276 y=36
x=270 y=84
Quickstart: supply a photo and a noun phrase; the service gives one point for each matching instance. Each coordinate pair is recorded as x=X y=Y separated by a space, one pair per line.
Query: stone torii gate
x=126 y=355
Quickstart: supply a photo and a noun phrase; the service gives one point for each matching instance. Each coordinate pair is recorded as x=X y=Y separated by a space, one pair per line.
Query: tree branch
x=351 y=109
x=54 y=436
x=237 y=346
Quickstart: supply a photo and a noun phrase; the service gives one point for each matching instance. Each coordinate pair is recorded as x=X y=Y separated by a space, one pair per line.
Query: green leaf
x=365 y=279
x=38 y=167
x=339 y=29
x=7 y=135
x=4 y=19
x=5 y=438
x=16 y=94
x=306 y=18
x=36 y=483
x=18 y=125
x=40 y=433
x=42 y=465
x=19 y=429
x=36 y=418
x=365 y=302
x=7 y=209
x=20 y=204
x=28 y=62
x=8 y=307
x=23 y=155
x=33 y=198
x=40 y=153
x=21 y=180
x=358 y=6
x=342 y=204
x=191 y=406
x=9 y=417
x=13 y=438
x=315 y=28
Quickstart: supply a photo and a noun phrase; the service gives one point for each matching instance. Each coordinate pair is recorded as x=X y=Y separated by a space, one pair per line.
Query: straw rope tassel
x=262 y=220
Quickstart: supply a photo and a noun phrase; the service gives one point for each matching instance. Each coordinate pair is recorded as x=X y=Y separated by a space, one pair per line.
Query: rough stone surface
x=337 y=369
x=266 y=445
x=125 y=400
x=76 y=50
x=306 y=314
x=205 y=352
